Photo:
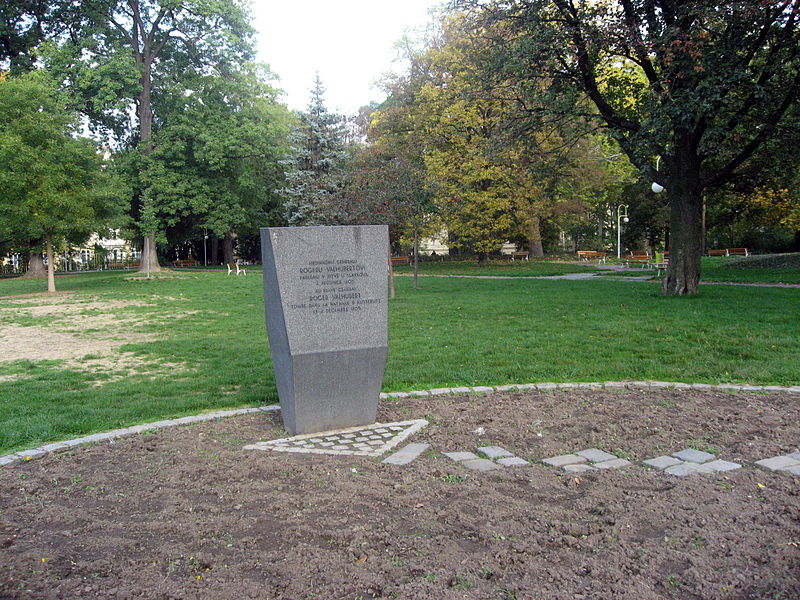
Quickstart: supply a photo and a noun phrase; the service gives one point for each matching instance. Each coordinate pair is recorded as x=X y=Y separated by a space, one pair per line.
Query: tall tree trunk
x=416 y=256
x=227 y=248
x=149 y=262
x=686 y=224
x=483 y=259
x=390 y=268
x=145 y=113
x=214 y=256
x=51 y=267
x=36 y=268
x=535 y=238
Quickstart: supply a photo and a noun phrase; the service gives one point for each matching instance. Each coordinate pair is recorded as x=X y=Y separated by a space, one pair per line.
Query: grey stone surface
x=594 y=455
x=662 y=462
x=440 y=391
x=793 y=470
x=722 y=465
x=406 y=454
x=480 y=464
x=513 y=461
x=778 y=463
x=482 y=388
x=687 y=468
x=695 y=456
x=795 y=455
x=459 y=456
x=462 y=390
x=494 y=451
x=325 y=298
x=614 y=463
x=578 y=468
x=8 y=459
x=564 y=459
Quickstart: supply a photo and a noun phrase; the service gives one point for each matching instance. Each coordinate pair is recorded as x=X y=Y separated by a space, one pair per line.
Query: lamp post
x=205 y=256
x=622 y=217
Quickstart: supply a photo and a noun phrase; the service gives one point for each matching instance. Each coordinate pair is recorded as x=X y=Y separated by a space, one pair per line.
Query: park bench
x=588 y=255
x=639 y=256
x=400 y=260
x=737 y=252
x=235 y=268
x=186 y=262
x=718 y=252
x=519 y=255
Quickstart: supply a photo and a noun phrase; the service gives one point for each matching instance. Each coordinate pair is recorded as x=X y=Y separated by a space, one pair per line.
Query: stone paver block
x=662 y=462
x=513 y=461
x=8 y=459
x=440 y=391
x=578 y=468
x=482 y=388
x=564 y=459
x=614 y=463
x=547 y=386
x=778 y=463
x=460 y=456
x=720 y=466
x=480 y=464
x=461 y=390
x=406 y=454
x=494 y=452
x=793 y=470
x=594 y=455
x=694 y=456
x=684 y=469
x=795 y=455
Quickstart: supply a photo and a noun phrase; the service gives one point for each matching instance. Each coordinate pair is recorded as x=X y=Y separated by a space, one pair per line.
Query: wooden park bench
x=186 y=262
x=639 y=256
x=588 y=255
x=400 y=260
x=718 y=252
x=737 y=252
x=519 y=255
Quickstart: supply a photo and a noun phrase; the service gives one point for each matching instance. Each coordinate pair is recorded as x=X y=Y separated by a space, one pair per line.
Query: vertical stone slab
x=325 y=296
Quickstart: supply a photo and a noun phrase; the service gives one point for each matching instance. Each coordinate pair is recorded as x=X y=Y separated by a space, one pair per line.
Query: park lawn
x=769 y=268
x=505 y=267
x=197 y=342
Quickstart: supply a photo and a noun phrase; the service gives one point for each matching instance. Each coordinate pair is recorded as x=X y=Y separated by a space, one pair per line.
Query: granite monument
x=325 y=294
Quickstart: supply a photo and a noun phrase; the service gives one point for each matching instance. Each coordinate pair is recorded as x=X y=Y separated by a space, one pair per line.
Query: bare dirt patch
x=80 y=327
x=186 y=513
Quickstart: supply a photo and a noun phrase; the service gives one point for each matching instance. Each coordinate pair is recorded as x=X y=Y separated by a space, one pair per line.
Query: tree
x=52 y=185
x=315 y=168
x=215 y=158
x=131 y=51
x=713 y=82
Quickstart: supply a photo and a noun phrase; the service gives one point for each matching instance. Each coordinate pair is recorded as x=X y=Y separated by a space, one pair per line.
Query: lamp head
x=625 y=220
x=657 y=188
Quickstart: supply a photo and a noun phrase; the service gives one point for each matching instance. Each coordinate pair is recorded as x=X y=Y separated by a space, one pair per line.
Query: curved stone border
x=542 y=387
x=547 y=387
x=117 y=433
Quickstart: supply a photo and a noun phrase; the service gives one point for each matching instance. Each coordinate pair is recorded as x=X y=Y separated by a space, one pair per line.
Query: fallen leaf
x=362 y=558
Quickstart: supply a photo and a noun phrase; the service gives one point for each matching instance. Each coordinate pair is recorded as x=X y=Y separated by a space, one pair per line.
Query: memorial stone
x=325 y=296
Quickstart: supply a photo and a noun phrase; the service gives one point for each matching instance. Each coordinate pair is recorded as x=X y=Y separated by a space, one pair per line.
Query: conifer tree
x=315 y=171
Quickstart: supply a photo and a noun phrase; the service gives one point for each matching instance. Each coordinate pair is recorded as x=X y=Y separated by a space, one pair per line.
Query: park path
x=584 y=276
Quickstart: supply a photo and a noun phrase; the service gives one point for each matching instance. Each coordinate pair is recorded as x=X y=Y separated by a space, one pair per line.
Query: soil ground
x=185 y=513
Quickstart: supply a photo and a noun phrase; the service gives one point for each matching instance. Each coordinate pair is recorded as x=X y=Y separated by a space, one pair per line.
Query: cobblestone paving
x=788 y=463
x=591 y=459
x=371 y=440
x=690 y=461
x=494 y=457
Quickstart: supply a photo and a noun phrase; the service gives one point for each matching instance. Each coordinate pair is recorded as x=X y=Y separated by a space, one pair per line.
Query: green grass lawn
x=206 y=345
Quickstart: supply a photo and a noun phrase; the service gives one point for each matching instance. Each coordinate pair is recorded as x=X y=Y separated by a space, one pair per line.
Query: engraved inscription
x=332 y=286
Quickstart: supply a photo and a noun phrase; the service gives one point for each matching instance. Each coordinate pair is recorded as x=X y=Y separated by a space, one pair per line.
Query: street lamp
x=622 y=215
x=205 y=256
